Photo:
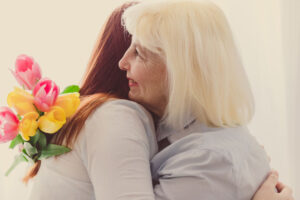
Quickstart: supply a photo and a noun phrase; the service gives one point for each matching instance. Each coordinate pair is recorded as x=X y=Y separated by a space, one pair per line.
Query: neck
x=156 y=110
x=157 y=114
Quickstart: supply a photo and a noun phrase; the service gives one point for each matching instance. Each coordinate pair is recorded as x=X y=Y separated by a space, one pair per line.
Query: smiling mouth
x=131 y=83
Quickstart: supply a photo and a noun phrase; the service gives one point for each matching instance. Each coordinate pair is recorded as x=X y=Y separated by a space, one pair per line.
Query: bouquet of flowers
x=36 y=109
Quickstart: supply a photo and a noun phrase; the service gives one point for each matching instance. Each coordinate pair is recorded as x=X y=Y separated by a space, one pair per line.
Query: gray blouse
x=208 y=163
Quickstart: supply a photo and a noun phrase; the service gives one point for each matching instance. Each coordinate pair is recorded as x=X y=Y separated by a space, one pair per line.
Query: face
x=147 y=77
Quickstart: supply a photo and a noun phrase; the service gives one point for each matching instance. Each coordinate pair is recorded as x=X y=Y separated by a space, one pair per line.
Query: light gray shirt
x=208 y=163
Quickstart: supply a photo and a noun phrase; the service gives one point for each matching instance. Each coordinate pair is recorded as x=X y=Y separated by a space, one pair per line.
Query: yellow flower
x=68 y=102
x=53 y=120
x=29 y=125
x=21 y=101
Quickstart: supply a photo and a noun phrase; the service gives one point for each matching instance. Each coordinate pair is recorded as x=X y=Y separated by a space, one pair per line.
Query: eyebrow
x=139 y=46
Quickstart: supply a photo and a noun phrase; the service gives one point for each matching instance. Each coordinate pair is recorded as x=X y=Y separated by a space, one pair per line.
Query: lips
x=131 y=82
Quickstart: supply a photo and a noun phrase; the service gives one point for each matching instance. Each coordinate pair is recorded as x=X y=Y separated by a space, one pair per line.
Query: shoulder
x=232 y=141
x=121 y=120
x=123 y=108
x=120 y=112
x=188 y=158
x=235 y=145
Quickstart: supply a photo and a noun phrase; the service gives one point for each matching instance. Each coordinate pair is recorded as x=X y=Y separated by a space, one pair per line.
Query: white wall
x=268 y=33
x=258 y=32
x=291 y=48
x=60 y=35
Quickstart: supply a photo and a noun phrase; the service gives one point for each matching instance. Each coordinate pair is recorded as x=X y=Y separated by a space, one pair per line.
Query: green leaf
x=53 y=150
x=18 y=159
x=71 y=89
x=29 y=159
x=34 y=139
x=18 y=139
x=30 y=150
x=42 y=140
x=19 y=117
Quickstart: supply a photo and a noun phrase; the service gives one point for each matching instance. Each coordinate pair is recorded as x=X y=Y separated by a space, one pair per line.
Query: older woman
x=112 y=140
x=184 y=67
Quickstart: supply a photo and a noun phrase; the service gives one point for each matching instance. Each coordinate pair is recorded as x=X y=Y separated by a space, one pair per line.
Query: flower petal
x=53 y=120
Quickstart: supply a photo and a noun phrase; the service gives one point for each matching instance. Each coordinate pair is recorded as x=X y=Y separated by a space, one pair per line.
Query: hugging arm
x=196 y=175
x=267 y=190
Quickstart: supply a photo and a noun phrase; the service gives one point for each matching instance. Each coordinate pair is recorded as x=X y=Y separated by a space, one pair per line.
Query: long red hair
x=102 y=80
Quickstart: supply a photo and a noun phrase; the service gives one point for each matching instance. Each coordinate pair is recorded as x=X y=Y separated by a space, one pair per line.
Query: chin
x=135 y=98
x=132 y=97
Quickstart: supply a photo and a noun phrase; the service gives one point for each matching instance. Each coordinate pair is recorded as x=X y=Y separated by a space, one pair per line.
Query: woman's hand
x=267 y=190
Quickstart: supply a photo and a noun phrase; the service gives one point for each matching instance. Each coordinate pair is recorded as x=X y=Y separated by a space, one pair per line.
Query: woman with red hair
x=112 y=139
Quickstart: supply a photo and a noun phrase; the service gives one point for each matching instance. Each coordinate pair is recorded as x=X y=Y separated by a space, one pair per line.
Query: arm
x=118 y=154
x=204 y=176
x=195 y=175
x=267 y=190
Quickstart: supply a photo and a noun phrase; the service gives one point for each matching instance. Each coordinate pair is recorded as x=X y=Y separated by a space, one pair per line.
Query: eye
x=136 y=52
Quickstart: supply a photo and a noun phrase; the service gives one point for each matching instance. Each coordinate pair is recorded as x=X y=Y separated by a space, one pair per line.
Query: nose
x=123 y=63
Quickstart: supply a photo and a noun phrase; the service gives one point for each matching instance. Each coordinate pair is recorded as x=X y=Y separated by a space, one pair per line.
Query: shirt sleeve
x=118 y=151
x=196 y=175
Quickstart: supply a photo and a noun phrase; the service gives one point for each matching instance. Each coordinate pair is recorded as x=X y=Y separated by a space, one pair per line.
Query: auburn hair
x=103 y=80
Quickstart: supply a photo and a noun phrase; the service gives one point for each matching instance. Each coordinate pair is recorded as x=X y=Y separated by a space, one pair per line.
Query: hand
x=267 y=190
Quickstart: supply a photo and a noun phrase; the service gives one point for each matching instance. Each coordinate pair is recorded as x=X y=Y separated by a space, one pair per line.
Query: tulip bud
x=53 y=120
x=27 y=72
x=69 y=102
x=21 y=101
x=8 y=124
x=45 y=94
x=29 y=125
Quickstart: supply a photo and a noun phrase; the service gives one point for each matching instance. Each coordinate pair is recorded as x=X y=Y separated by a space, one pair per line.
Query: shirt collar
x=164 y=130
x=191 y=125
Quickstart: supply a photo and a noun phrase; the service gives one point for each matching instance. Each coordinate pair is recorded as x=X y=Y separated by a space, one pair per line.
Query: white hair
x=206 y=77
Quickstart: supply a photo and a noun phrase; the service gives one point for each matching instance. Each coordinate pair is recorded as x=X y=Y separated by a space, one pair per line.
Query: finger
x=286 y=193
x=272 y=179
x=273 y=171
x=280 y=186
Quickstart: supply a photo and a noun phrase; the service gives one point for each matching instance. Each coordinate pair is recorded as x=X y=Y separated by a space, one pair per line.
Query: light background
x=60 y=35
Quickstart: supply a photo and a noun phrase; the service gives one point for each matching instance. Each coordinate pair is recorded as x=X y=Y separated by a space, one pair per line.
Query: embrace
x=165 y=104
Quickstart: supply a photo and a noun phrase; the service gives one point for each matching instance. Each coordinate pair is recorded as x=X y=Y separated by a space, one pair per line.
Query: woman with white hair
x=113 y=139
x=184 y=67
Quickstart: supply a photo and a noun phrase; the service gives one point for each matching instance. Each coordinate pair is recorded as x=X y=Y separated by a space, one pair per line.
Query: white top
x=110 y=159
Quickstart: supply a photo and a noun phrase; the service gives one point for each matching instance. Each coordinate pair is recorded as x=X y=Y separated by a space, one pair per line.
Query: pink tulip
x=8 y=124
x=27 y=72
x=45 y=94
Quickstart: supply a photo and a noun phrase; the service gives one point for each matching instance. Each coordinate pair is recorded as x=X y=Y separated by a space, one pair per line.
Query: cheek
x=141 y=74
x=150 y=76
x=160 y=76
x=157 y=85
